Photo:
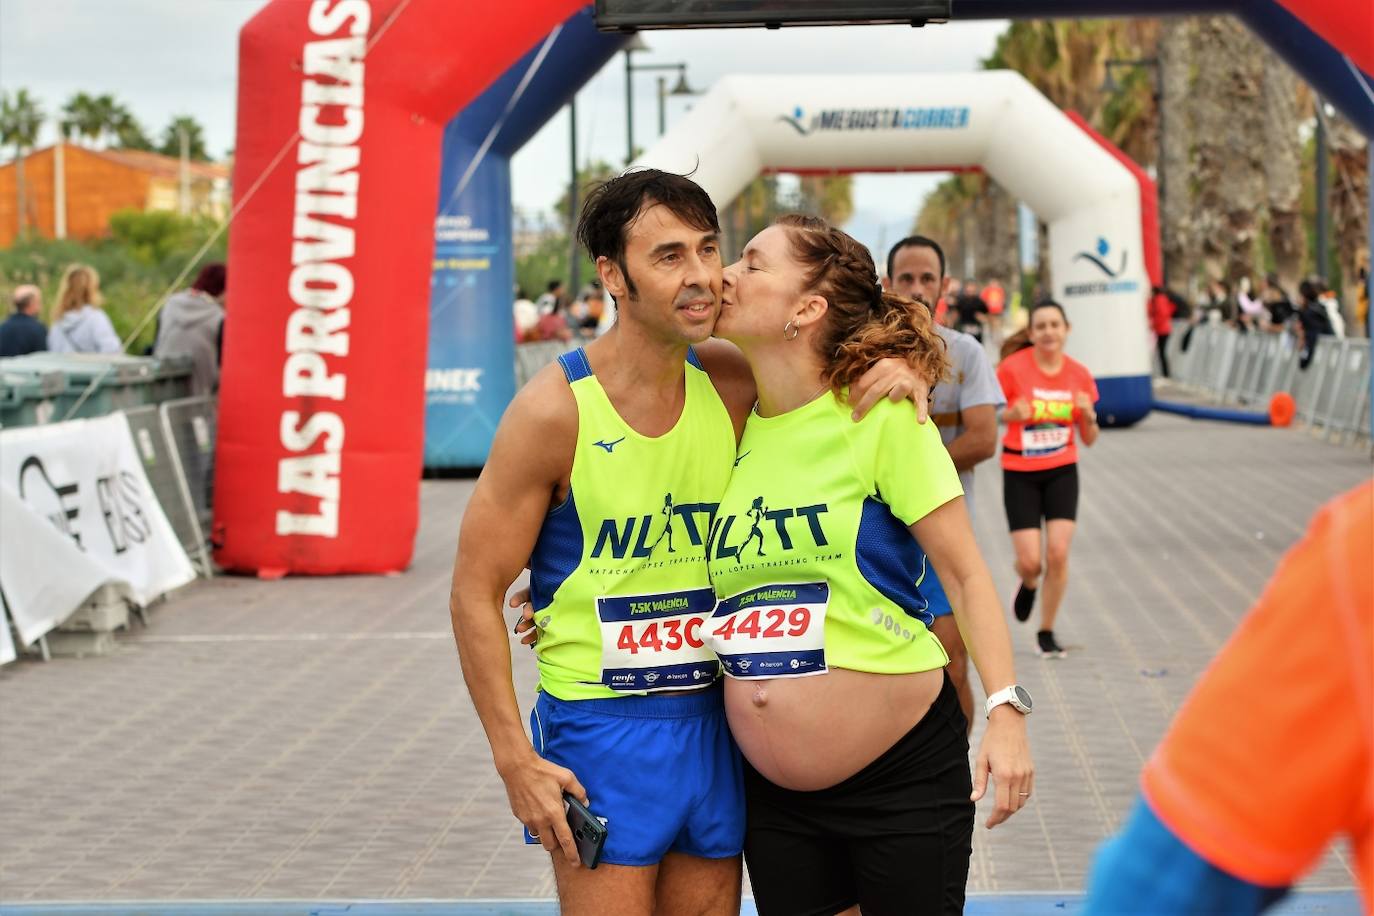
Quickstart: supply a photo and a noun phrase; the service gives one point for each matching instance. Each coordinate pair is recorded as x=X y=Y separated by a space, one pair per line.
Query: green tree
x=588 y=177
x=128 y=132
x=195 y=138
x=102 y=120
x=21 y=117
x=80 y=118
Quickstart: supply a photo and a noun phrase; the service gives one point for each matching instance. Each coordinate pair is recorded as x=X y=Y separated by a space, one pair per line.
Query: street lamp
x=679 y=89
x=1110 y=85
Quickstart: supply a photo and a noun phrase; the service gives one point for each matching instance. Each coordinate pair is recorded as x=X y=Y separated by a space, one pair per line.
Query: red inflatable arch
x=321 y=418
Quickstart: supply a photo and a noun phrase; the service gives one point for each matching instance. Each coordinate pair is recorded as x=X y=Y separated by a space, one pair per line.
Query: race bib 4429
x=775 y=631
x=655 y=642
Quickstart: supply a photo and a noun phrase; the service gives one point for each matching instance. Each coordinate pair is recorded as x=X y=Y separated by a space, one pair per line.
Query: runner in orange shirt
x=1272 y=756
x=1050 y=397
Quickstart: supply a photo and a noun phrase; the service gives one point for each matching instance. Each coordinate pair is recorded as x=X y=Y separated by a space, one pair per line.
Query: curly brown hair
x=863 y=323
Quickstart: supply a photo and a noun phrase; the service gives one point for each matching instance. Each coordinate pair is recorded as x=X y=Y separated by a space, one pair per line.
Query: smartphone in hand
x=588 y=833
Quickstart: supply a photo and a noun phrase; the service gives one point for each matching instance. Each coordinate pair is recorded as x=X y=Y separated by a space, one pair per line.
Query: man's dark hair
x=22 y=300
x=611 y=207
x=553 y=285
x=916 y=241
x=212 y=279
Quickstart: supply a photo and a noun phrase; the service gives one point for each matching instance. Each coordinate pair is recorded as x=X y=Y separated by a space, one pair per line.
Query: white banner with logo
x=77 y=512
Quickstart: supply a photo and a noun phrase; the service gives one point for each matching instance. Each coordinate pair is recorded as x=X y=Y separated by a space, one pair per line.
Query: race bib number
x=656 y=642
x=775 y=631
x=1040 y=441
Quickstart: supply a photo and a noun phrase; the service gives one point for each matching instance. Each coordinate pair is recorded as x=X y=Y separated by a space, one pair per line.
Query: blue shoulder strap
x=693 y=359
x=575 y=365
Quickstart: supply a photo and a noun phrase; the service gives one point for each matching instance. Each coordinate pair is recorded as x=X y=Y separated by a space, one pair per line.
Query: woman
x=554 y=325
x=80 y=325
x=1049 y=396
x=813 y=551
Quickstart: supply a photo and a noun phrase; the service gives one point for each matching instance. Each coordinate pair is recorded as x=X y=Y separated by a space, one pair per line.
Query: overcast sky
x=168 y=57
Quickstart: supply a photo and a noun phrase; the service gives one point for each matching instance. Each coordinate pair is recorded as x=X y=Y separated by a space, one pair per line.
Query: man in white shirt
x=964 y=407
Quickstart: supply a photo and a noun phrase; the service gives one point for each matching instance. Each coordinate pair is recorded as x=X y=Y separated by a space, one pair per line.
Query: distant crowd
x=191 y=323
x=1269 y=309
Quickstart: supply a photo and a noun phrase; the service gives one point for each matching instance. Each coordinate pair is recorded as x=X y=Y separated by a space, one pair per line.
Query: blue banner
x=471 y=371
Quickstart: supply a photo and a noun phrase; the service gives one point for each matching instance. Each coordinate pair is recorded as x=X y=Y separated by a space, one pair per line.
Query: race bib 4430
x=775 y=631
x=655 y=642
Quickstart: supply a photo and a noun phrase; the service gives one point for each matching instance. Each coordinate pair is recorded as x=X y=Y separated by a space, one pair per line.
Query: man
x=964 y=407
x=582 y=471
x=22 y=332
x=971 y=311
x=1272 y=755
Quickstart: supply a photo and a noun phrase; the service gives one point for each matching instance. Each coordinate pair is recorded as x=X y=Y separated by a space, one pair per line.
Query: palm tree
x=1349 y=193
x=1283 y=173
x=82 y=118
x=195 y=138
x=21 y=117
x=1229 y=120
x=128 y=133
x=1177 y=38
x=830 y=196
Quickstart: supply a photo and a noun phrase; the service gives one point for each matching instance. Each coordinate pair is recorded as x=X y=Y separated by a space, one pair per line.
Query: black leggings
x=895 y=837
x=1030 y=496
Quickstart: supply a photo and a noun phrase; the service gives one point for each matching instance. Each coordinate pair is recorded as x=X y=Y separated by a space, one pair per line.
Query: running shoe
x=1048 y=647
x=1024 y=603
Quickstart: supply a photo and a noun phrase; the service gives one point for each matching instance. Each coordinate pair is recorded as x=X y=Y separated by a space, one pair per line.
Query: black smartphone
x=588 y=833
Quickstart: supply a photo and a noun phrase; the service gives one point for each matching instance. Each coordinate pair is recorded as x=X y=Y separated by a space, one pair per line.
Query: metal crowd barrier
x=1332 y=394
x=531 y=357
x=176 y=441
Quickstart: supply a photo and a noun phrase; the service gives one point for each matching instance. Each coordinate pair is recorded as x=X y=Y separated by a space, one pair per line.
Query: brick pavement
x=311 y=738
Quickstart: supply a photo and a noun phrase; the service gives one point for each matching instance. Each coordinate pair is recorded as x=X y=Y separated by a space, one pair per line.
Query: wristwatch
x=1017 y=696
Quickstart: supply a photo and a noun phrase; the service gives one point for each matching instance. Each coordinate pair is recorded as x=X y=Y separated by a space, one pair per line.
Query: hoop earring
x=790 y=327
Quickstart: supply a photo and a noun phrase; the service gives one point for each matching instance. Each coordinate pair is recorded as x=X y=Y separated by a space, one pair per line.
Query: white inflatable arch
x=1098 y=206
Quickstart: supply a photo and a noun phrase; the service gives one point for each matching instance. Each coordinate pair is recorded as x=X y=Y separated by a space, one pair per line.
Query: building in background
x=98 y=184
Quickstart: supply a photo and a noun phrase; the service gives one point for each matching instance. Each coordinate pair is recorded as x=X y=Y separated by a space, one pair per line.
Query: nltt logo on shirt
x=640 y=535
x=786 y=525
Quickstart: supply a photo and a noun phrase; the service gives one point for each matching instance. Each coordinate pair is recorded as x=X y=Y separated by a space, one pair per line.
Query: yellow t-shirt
x=810 y=552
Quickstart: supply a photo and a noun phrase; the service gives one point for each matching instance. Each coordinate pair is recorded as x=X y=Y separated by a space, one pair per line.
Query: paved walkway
x=311 y=738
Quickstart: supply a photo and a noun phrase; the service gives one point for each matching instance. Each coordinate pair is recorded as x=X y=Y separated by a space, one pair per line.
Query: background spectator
x=972 y=312
x=1277 y=302
x=192 y=324
x=1362 y=302
x=1313 y=321
x=526 y=316
x=1327 y=297
x=593 y=301
x=553 y=295
x=554 y=325
x=1161 y=311
x=22 y=332
x=81 y=325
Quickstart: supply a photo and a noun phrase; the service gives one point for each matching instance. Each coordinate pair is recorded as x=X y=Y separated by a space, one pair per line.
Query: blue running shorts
x=661 y=771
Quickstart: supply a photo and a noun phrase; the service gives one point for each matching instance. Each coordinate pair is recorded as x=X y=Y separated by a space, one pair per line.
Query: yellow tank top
x=618 y=577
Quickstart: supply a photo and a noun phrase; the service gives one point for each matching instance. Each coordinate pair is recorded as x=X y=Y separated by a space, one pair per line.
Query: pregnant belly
x=810 y=733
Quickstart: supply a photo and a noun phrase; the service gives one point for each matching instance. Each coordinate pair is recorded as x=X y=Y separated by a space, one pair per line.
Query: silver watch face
x=1022 y=696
